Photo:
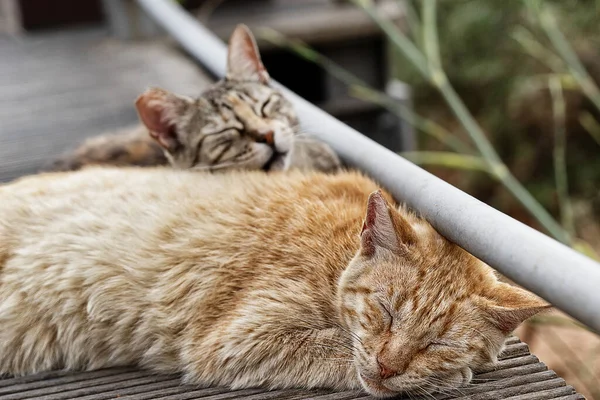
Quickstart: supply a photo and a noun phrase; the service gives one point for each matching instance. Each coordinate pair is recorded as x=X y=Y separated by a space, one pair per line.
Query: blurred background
x=499 y=98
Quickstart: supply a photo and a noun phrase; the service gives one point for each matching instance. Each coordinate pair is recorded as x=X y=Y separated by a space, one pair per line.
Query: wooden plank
x=514 y=350
x=13 y=385
x=519 y=376
x=512 y=340
x=515 y=371
x=170 y=393
x=95 y=390
x=512 y=391
x=510 y=363
x=280 y=394
x=65 y=389
x=566 y=392
x=199 y=394
x=501 y=384
x=170 y=386
x=576 y=396
x=339 y=396
x=59 y=88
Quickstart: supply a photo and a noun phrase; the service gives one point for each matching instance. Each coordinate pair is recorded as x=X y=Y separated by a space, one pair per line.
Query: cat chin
x=277 y=162
x=375 y=388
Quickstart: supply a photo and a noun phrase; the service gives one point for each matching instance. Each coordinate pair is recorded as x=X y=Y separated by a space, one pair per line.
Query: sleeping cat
x=241 y=122
x=285 y=280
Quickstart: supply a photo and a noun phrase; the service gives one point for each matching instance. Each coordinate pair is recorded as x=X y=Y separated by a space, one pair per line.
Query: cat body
x=133 y=147
x=130 y=146
x=243 y=279
x=240 y=122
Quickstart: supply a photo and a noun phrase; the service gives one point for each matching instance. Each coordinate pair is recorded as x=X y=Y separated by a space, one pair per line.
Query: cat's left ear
x=507 y=306
x=384 y=227
x=159 y=110
x=243 y=58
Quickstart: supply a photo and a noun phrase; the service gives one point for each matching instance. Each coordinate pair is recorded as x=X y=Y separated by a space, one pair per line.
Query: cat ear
x=383 y=227
x=243 y=58
x=158 y=110
x=509 y=305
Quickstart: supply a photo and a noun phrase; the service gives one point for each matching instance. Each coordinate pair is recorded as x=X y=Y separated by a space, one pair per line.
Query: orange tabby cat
x=242 y=279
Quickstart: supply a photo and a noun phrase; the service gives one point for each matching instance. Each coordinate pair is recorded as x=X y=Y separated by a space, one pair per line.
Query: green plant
x=429 y=65
x=566 y=59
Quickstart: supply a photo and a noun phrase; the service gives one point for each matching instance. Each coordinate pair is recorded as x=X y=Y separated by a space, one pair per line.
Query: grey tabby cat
x=240 y=122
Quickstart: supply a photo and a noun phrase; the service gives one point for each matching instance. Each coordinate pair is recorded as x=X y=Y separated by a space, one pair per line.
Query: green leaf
x=448 y=160
x=585 y=248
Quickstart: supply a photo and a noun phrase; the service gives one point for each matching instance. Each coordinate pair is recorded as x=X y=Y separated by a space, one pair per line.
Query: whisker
x=422 y=391
x=483 y=380
x=440 y=385
x=438 y=388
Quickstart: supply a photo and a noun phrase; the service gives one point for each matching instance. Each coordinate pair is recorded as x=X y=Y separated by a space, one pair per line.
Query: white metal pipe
x=555 y=272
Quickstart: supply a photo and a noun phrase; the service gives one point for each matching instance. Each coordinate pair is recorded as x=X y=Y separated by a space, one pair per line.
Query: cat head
x=423 y=313
x=240 y=122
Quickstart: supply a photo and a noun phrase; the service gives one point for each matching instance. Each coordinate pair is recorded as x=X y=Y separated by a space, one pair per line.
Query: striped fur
x=241 y=122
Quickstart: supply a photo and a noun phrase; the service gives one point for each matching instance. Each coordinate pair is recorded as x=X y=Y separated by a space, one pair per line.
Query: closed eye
x=389 y=314
x=439 y=343
x=217 y=144
x=267 y=106
x=228 y=132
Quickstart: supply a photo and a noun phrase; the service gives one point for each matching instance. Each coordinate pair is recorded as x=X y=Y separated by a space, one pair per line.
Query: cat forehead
x=431 y=270
x=252 y=91
x=416 y=300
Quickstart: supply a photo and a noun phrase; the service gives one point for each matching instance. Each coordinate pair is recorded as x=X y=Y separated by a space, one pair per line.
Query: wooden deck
x=518 y=376
x=58 y=88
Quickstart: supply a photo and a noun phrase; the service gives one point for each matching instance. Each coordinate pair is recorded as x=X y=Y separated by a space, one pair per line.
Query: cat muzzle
x=276 y=162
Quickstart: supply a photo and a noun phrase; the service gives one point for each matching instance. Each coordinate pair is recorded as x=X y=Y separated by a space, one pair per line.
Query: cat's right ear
x=384 y=227
x=243 y=58
x=158 y=110
x=507 y=306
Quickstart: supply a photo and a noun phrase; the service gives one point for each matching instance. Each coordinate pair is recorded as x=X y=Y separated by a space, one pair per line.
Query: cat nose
x=267 y=137
x=384 y=371
x=270 y=138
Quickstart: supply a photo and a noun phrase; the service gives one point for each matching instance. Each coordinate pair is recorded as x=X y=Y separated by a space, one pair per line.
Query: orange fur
x=242 y=279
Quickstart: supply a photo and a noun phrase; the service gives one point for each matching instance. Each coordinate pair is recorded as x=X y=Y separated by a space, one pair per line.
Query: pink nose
x=385 y=372
x=270 y=138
